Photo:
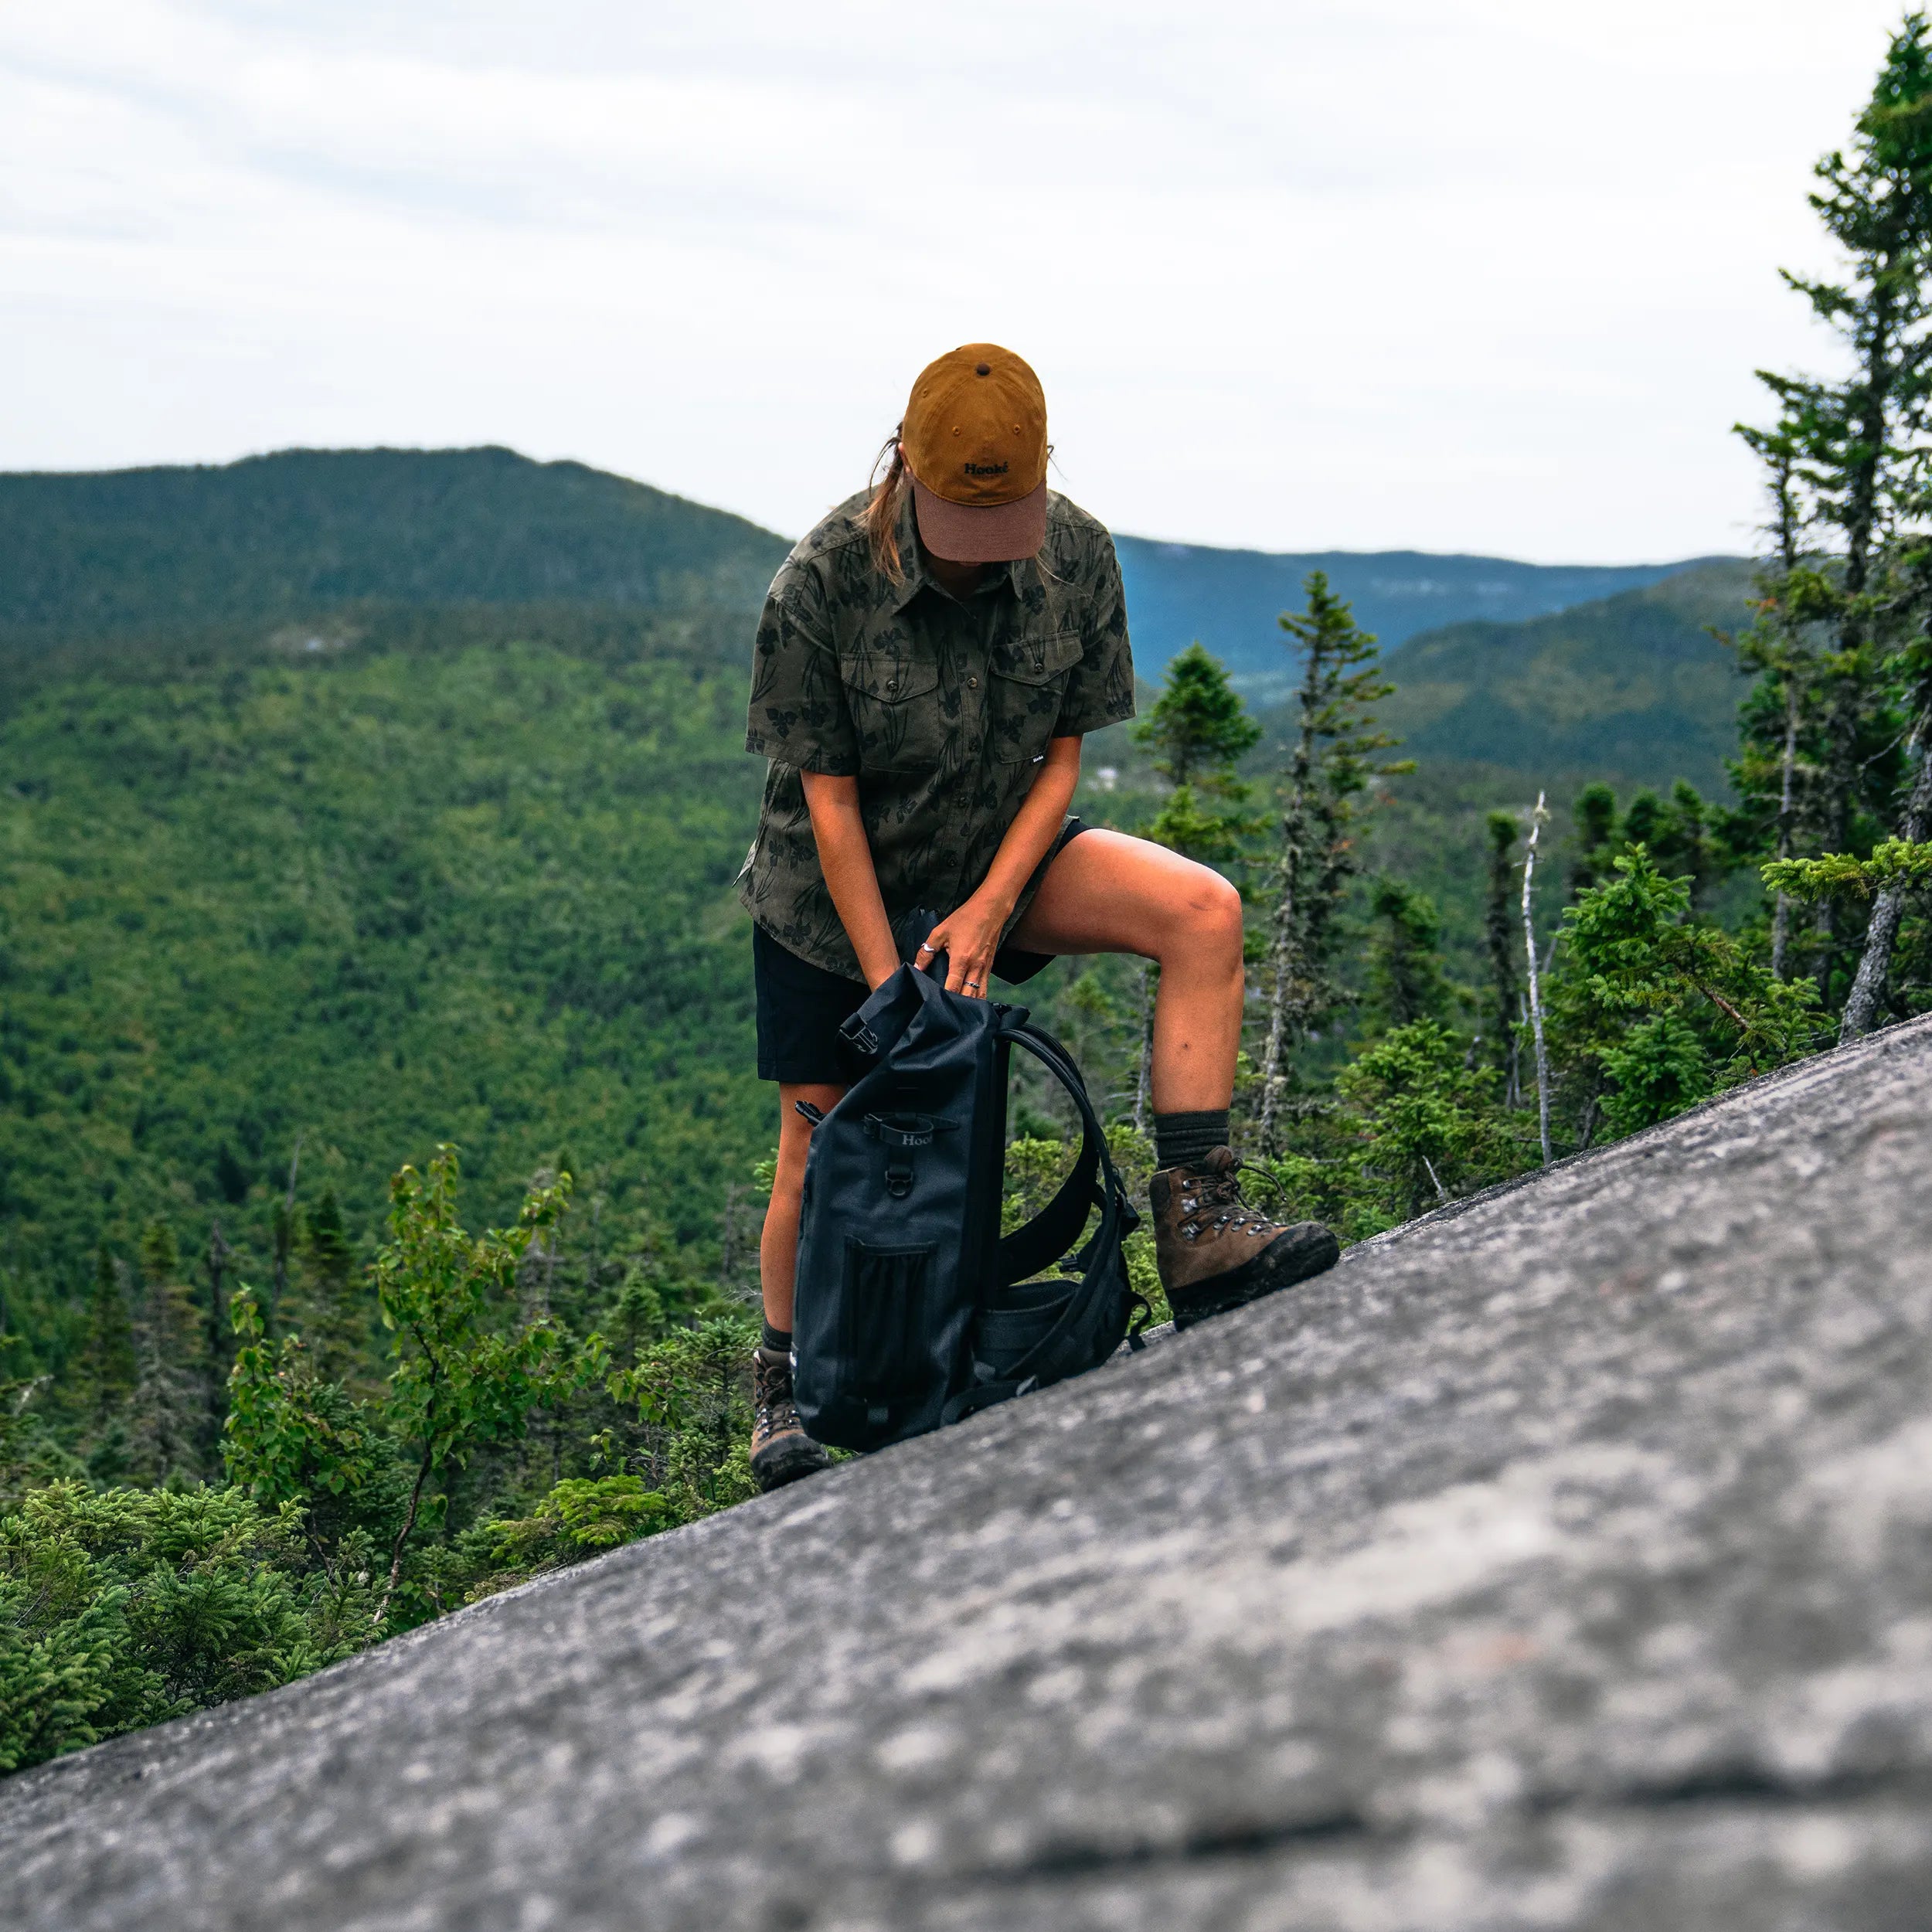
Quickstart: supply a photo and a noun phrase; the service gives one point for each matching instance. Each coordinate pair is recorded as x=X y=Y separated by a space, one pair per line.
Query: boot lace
x=1208 y=1192
x=776 y=1411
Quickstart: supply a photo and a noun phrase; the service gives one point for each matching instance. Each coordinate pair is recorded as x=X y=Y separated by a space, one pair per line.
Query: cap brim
x=981 y=532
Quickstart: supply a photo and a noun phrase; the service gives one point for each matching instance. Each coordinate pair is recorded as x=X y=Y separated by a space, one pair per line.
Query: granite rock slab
x=1563 y=1558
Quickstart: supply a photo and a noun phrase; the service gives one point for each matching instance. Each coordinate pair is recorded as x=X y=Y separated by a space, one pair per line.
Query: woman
x=928 y=660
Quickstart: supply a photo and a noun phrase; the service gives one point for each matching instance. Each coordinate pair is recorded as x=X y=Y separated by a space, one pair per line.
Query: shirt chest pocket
x=1029 y=688
x=894 y=702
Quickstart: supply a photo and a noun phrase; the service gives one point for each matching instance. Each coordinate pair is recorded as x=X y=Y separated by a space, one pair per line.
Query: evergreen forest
x=381 y=1164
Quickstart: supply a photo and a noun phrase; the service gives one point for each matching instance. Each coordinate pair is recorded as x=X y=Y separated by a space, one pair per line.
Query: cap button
x=984 y=369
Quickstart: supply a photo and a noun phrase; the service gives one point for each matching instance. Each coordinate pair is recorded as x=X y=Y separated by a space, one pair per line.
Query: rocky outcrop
x=1564 y=1559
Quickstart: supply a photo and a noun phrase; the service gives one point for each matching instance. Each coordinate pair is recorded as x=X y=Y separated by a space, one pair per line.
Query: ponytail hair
x=882 y=513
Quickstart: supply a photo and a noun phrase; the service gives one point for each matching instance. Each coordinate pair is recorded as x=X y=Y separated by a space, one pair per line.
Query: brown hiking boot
x=1215 y=1252
x=781 y=1452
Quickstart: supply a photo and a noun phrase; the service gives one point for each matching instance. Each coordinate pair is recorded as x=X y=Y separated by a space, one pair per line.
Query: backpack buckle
x=859 y=1037
x=903 y=1132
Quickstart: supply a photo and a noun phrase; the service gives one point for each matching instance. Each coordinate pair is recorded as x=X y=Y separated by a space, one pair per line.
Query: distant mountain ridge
x=290 y=537
x=1634 y=686
x=1231 y=600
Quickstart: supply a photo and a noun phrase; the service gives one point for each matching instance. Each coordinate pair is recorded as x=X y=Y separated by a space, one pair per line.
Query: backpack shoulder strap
x=1052 y=1232
x=1068 y=1346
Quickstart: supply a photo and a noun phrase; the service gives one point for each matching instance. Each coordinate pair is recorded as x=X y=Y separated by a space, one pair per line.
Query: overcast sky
x=1453 y=274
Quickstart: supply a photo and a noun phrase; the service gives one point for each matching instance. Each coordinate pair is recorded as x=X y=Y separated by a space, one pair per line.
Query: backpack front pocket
x=884 y=1316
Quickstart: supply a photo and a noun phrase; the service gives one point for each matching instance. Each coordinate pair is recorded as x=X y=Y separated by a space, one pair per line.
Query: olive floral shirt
x=941 y=707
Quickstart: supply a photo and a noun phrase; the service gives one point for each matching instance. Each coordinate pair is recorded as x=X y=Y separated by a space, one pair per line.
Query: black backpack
x=912 y=1310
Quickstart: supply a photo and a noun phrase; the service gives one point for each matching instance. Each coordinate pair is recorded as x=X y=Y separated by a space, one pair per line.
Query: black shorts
x=802 y=1006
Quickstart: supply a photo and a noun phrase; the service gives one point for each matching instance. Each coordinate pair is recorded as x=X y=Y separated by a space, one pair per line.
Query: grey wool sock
x=1185 y=1140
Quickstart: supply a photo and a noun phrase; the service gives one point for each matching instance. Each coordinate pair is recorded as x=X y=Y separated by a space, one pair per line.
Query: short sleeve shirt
x=942 y=709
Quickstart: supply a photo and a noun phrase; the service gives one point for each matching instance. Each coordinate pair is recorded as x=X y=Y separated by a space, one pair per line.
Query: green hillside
x=294 y=538
x=366 y=799
x=466 y=882
x=1631 y=688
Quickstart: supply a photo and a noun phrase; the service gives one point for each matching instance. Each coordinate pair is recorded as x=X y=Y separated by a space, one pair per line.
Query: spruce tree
x=1687 y=837
x=325 y=1302
x=107 y=1368
x=634 y=1315
x=1407 y=981
x=170 y=1407
x=1897 y=868
x=1665 y=1008
x=1844 y=461
x=1593 y=820
x=1781 y=721
x=1680 y=833
x=1199 y=727
x=1499 y=934
x=1859 y=438
x=1331 y=761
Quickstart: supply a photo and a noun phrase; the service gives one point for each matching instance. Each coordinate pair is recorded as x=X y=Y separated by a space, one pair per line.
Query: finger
x=935 y=944
x=973 y=981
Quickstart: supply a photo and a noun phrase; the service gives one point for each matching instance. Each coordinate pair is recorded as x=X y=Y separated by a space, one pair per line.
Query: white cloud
x=1475 y=274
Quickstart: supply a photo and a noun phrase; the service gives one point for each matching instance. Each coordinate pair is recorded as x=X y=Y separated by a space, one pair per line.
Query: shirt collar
x=912 y=560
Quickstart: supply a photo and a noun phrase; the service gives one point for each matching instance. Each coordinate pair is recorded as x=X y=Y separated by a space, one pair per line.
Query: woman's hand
x=969 y=938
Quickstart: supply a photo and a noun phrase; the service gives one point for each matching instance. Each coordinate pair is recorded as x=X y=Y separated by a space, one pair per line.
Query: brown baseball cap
x=975 y=438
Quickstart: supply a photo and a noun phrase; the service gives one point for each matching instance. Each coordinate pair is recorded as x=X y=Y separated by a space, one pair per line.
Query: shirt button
x=892 y=685
x=972 y=684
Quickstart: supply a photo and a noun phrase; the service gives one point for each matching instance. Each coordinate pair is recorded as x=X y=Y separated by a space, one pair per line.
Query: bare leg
x=1108 y=893
x=778 y=1245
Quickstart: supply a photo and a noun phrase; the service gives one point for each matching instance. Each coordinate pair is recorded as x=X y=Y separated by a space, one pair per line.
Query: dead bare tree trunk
x=1535 y=988
x=1143 y=1077
x=218 y=1338
x=1782 y=914
x=284 y=1231
x=1875 y=964
x=1282 y=960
